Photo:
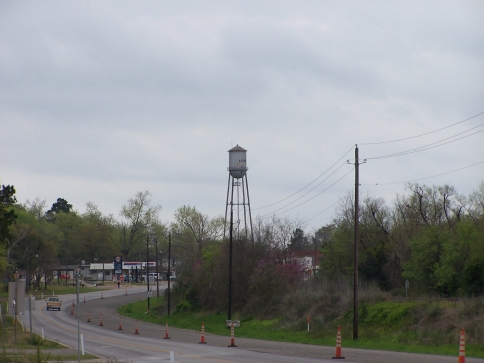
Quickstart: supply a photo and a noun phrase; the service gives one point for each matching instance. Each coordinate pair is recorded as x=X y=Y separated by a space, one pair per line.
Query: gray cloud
x=101 y=100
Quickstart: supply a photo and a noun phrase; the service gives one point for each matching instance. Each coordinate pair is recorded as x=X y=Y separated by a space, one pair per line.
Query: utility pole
x=148 y=272
x=357 y=238
x=169 y=273
x=356 y=241
x=15 y=299
x=157 y=273
x=314 y=264
x=355 y=257
x=229 y=314
x=78 y=275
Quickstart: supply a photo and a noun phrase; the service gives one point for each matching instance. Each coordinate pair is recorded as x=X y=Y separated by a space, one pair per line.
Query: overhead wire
x=314 y=196
x=309 y=191
x=324 y=210
x=428 y=177
x=427 y=133
x=282 y=200
x=429 y=146
x=415 y=150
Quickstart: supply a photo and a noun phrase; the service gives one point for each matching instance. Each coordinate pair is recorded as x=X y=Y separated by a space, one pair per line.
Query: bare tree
x=139 y=217
x=36 y=207
x=200 y=226
x=476 y=203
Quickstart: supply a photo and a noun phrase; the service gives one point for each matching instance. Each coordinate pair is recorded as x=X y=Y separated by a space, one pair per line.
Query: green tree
x=299 y=241
x=68 y=227
x=338 y=253
x=460 y=270
x=426 y=250
x=7 y=213
x=61 y=206
x=28 y=249
x=97 y=236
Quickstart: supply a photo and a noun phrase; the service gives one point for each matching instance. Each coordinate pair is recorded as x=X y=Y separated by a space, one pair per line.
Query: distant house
x=310 y=259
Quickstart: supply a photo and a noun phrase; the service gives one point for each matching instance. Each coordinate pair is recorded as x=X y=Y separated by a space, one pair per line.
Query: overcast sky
x=100 y=100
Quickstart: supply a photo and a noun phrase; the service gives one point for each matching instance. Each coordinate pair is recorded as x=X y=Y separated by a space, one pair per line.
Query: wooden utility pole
x=169 y=274
x=355 y=257
x=148 y=271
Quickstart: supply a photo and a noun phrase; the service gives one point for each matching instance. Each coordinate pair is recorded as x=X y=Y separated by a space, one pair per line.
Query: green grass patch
x=17 y=345
x=64 y=290
x=383 y=326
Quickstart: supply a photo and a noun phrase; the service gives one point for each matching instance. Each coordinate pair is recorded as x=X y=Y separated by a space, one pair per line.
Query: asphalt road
x=149 y=346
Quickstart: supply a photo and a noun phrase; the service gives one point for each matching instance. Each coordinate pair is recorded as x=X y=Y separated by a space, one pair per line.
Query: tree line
x=431 y=236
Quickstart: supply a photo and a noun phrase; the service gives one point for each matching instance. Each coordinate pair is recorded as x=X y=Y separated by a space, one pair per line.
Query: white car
x=153 y=276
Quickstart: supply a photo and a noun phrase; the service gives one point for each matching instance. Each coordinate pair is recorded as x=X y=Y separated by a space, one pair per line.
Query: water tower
x=238 y=184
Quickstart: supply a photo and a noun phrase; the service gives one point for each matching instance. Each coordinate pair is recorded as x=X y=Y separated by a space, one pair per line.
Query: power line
x=428 y=146
x=314 y=196
x=428 y=177
x=427 y=133
x=282 y=200
x=324 y=210
x=309 y=191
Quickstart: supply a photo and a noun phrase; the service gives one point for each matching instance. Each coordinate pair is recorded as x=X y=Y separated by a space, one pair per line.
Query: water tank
x=237 y=162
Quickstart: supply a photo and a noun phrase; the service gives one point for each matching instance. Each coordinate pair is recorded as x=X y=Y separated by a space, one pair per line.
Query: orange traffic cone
x=338 y=345
x=462 y=348
x=89 y=317
x=101 y=320
x=136 y=328
x=202 y=338
x=232 y=338
x=120 y=324
x=166 y=332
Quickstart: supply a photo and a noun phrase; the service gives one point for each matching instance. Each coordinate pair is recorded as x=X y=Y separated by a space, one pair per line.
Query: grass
x=392 y=326
x=17 y=346
x=62 y=289
x=55 y=290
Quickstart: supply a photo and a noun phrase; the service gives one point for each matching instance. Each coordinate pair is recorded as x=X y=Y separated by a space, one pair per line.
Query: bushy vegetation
x=427 y=325
x=431 y=236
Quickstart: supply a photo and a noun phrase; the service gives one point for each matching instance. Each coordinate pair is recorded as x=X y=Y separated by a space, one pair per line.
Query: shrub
x=183 y=307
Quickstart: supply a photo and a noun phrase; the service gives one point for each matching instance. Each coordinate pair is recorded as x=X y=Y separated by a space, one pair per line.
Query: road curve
x=107 y=340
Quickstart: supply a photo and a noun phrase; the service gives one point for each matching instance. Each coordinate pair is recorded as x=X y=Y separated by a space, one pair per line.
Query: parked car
x=53 y=303
x=172 y=275
x=153 y=276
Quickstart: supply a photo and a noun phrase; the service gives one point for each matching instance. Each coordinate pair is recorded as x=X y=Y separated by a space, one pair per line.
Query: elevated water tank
x=237 y=162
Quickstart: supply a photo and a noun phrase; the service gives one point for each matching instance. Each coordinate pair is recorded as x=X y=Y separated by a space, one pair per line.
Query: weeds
x=385 y=321
x=35 y=341
x=39 y=357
